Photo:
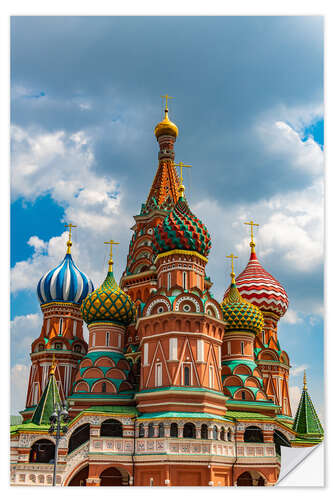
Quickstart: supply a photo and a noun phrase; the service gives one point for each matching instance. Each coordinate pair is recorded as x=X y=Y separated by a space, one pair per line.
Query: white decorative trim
x=157 y=301
x=188 y=298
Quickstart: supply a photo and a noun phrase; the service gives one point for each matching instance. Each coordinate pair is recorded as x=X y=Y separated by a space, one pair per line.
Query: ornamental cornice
x=182 y=252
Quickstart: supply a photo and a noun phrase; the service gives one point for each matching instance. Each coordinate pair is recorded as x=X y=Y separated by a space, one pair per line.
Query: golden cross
x=69 y=242
x=232 y=257
x=251 y=223
x=166 y=97
x=111 y=242
x=181 y=165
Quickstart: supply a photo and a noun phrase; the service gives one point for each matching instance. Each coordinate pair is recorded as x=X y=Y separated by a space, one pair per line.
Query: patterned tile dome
x=108 y=303
x=239 y=314
x=181 y=229
x=261 y=289
x=64 y=283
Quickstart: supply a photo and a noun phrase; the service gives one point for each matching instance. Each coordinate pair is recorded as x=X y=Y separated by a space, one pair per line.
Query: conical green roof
x=47 y=402
x=306 y=421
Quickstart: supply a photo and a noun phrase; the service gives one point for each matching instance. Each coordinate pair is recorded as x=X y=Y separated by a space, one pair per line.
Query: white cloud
x=294 y=395
x=62 y=165
x=24 y=330
x=291 y=317
x=19 y=375
x=298 y=369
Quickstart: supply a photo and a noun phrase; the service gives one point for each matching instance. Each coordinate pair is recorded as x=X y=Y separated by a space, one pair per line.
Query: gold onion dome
x=108 y=303
x=166 y=127
x=239 y=314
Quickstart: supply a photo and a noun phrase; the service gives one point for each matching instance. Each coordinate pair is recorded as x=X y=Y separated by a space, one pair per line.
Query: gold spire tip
x=232 y=274
x=252 y=244
x=53 y=365
x=304 y=381
x=181 y=165
x=111 y=242
x=69 y=242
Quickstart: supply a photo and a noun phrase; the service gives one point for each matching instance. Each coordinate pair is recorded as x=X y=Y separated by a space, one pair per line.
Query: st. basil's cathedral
x=174 y=387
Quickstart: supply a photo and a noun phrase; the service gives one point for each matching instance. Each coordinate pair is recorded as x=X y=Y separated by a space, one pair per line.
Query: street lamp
x=59 y=416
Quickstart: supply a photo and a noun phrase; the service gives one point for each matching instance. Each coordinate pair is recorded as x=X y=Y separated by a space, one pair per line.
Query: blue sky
x=248 y=101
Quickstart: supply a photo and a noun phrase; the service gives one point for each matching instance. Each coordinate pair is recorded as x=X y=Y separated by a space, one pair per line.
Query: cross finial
x=304 y=381
x=166 y=97
x=232 y=257
x=111 y=242
x=181 y=165
x=69 y=242
x=251 y=223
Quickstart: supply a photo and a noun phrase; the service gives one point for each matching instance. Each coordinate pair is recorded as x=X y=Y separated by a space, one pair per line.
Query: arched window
x=253 y=434
x=242 y=347
x=93 y=340
x=111 y=428
x=204 y=431
x=77 y=348
x=60 y=326
x=189 y=430
x=79 y=436
x=42 y=451
x=161 y=430
x=185 y=280
x=150 y=430
x=215 y=432
x=169 y=281
x=243 y=395
x=141 y=431
x=174 y=430
x=107 y=339
x=229 y=435
x=104 y=387
x=40 y=347
x=263 y=336
x=222 y=434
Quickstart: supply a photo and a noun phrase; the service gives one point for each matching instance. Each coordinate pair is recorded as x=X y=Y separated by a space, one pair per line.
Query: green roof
x=247 y=415
x=306 y=421
x=181 y=388
x=47 y=402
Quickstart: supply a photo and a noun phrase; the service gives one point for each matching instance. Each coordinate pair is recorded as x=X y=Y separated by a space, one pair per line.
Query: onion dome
x=108 y=303
x=238 y=313
x=260 y=288
x=166 y=127
x=64 y=283
x=181 y=229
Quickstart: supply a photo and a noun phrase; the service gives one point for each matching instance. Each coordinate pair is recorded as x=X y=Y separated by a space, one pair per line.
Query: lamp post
x=59 y=416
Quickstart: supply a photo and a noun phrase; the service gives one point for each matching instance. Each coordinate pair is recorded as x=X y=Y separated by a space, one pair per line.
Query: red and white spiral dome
x=261 y=289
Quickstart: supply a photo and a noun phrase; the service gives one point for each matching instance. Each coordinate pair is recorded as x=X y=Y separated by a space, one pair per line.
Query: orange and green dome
x=239 y=314
x=108 y=303
x=182 y=230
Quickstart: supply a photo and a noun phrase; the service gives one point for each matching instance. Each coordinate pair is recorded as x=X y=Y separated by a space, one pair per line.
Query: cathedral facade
x=174 y=387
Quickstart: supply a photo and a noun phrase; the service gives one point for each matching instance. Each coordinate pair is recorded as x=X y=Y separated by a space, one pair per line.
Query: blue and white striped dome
x=65 y=283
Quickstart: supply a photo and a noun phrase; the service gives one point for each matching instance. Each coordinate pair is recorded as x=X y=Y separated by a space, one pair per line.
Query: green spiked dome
x=307 y=423
x=108 y=303
x=239 y=314
x=47 y=402
x=182 y=230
